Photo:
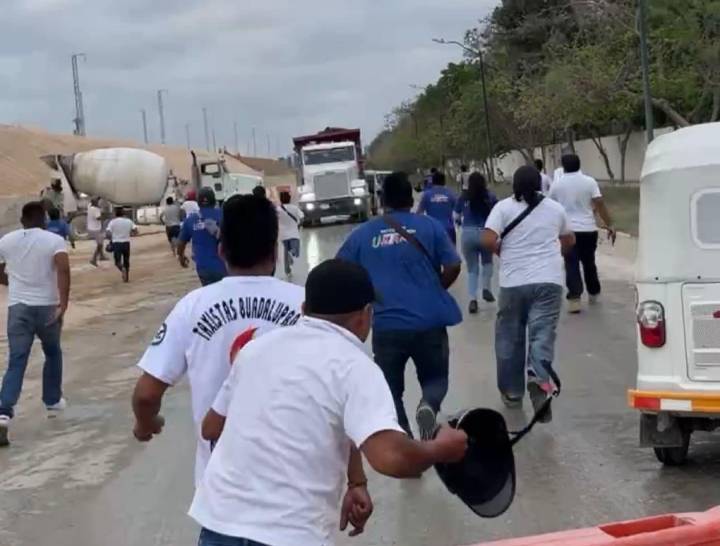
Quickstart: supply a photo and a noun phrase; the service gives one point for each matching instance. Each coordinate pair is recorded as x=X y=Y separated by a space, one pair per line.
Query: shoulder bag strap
x=410 y=238
x=520 y=217
x=288 y=213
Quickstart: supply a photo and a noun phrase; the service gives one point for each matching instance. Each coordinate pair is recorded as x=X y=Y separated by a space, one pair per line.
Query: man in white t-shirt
x=95 y=230
x=210 y=325
x=531 y=279
x=305 y=403
x=462 y=179
x=289 y=218
x=581 y=197
x=120 y=230
x=190 y=205
x=545 y=181
x=34 y=265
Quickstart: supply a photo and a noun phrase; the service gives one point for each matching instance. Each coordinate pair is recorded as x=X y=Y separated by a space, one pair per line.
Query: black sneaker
x=488 y=296
x=538 y=397
x=473 y=307
x=512 y=402
x=426 y=420
x=4 y=426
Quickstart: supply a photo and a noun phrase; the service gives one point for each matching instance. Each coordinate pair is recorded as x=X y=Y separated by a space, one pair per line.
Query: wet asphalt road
x=81 y=480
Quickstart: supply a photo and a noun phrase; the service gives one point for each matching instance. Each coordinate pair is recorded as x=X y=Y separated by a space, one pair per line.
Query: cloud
x=280 y=66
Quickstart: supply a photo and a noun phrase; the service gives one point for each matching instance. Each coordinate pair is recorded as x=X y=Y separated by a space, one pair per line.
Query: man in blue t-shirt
x=439 y=202
x=203 y=229
x=415 y=310
x=59 y=227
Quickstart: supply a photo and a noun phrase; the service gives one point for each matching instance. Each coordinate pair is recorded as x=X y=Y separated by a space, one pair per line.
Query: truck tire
x=674 y=456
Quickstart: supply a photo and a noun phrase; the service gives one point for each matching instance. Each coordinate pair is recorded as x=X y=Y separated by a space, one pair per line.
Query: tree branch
x=664 y=106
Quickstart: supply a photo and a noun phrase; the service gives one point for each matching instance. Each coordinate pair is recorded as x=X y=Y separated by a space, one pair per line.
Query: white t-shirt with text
x=530 y=253
x=190 y=207
x=207 y=328
x=302 y=395
x=288 y=226
x=121 y=229
x=29 y=258
x=94 y=219
x=575 y=192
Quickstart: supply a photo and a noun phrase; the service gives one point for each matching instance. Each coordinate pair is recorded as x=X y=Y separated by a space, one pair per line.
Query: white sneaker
x=574 y=307
x=4 y=426
x=594 y=300
x=54 y=409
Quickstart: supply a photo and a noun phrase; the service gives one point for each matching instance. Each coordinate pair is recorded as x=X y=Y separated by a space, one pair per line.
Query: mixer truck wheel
x=674 y=456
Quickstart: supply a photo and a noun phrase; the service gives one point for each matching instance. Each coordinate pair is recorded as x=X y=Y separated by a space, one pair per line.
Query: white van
x=678 y=291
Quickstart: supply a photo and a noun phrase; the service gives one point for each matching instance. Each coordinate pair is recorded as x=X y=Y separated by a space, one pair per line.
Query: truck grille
x=331 y=185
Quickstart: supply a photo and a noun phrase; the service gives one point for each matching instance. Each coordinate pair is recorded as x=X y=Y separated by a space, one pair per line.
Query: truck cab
x=214 y=174
x=332 y=186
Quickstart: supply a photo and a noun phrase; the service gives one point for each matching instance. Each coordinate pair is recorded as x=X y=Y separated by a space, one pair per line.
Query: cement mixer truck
x=127 y=177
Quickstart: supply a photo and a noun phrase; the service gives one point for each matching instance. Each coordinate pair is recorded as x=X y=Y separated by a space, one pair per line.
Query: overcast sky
x=285 y=67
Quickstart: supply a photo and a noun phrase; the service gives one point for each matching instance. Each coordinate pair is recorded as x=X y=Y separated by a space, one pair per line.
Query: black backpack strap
x=410 y=238
x=520 y=217
x=540 y=413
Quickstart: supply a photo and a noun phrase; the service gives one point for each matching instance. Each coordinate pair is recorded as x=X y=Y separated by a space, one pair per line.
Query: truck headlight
x=360 y=192
x=357 y=201
x=310 y=206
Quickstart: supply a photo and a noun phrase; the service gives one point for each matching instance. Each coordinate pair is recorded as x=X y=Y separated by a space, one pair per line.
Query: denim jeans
x=291 y=249
x=429 y=350
x=211 y=538
x=208 y=276
x=474 y=254
x=24 y=323
x=582 y=253
x=525 y=335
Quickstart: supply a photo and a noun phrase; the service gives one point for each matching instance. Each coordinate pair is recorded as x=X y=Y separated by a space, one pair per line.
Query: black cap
x=336 y=287
x=206 y=197
x=485 y=478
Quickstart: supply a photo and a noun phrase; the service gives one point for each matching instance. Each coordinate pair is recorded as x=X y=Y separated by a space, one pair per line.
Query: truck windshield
x=243 y=184
x=332 y=155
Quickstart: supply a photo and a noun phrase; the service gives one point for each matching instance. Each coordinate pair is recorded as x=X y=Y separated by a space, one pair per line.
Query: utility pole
x=144 y=122
x=205 y=124
x=645 y=61
x=235 y=131
x=254 y=141
x=79 y=120
x=478 y=54
x=214 y=142
x=269 y=146
x=187 y=135
x=161 y=112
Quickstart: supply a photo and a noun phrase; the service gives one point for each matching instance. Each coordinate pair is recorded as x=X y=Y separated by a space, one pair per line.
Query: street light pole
x=477 y=53
x=645 y=61
x=161 y=112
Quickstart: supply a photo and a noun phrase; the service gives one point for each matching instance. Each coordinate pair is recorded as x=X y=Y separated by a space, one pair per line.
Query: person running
x=171 y=217
x=203 y=229
x=545 y=180
x=439 y=202
x=581 y=197
x=190 y=205
x=120 y=230
x=297 y=428
x=34 y=265
x=473 y=208
x=59 y=227
x=412 y=263
x=463 y=178
x=210 y=325
x=96 y=232
x=289 y=217
x=259 y=191
x=528 y=232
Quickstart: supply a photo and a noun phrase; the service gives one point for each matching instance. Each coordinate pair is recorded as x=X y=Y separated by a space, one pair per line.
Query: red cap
x=191 y=195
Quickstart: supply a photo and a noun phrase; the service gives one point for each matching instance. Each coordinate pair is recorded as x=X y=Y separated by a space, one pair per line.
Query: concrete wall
x=592 y=162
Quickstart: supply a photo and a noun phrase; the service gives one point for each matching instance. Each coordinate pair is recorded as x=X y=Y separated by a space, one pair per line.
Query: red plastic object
x=692 y=529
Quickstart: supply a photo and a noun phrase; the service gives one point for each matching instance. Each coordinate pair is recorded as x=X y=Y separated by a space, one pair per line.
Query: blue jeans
x=211 y=538
x=429 y=350
x=208 y=276
x=474 y=254
x=24 y=323
x=525 y=335
x=291 y=249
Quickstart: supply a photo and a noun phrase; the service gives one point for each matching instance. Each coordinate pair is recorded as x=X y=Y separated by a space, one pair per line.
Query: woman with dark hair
x=472 y=210
x=529 y=233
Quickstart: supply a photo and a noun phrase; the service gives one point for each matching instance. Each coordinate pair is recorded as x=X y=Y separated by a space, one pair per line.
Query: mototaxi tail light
x=651 y=321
